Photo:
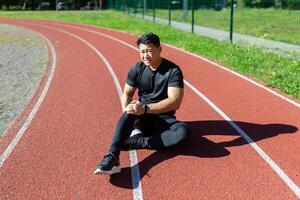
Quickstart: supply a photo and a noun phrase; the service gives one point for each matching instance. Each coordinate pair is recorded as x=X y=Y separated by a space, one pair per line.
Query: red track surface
x=72 y=130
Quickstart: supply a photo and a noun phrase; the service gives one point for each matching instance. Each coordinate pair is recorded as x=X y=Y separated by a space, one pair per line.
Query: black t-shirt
x=153 y=85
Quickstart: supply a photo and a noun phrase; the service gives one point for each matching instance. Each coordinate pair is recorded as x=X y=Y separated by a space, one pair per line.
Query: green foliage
x=292 y=4
x=274 y=24
x=289 y=4
x=178 y=4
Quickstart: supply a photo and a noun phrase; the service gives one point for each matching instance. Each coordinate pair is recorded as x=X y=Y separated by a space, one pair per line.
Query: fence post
x=170 y=2
x=128 y=7
x=153 y=10
x=143 y=13
x=193 y=16
x=145 y=7
x=135 y=8
x=231 y=20
x=185 y=9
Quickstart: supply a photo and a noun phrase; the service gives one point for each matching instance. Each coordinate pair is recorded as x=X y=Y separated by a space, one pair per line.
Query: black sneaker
x=135 y=142
x=109 y=165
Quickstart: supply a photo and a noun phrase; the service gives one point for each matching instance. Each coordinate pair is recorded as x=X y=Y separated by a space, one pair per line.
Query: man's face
x=150 y=54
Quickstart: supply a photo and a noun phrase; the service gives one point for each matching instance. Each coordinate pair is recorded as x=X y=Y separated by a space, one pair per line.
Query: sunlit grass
x=275 y=24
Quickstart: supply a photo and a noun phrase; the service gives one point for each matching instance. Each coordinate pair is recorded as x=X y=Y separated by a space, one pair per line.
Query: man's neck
x=156 y=65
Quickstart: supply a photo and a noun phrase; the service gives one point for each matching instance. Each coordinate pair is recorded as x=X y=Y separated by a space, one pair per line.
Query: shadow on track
x=199 y=146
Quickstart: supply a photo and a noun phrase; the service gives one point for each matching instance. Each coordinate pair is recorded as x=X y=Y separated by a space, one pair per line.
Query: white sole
x=135 y=132
x=114 y=170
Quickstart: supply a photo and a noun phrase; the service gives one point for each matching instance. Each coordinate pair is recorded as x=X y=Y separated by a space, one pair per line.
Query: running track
x=244 y=144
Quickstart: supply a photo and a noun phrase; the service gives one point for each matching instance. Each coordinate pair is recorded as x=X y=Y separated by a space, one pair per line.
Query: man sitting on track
x=160 y=90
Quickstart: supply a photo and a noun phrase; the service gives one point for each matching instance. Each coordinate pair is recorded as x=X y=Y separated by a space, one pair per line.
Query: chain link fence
x=266 y=19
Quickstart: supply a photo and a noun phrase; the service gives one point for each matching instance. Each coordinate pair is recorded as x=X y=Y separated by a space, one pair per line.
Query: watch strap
x=145 y=106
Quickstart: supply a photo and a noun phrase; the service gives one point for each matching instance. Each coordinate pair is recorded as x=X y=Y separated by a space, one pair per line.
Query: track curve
x=79 y=112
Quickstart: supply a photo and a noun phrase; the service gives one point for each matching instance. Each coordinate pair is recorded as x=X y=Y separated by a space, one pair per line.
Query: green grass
x=274 y=24
x=276 y=71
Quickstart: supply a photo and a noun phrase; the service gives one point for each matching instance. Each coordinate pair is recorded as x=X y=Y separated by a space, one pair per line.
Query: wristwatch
x=146 y=108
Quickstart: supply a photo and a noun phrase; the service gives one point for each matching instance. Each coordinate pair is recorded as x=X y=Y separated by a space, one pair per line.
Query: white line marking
x=239 y=75
x=267 y=158
x=135 y=173
x=24 y=127
x=272 y=164
x=197 y=56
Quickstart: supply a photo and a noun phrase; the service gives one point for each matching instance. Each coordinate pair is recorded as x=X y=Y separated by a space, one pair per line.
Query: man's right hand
x=135 y=108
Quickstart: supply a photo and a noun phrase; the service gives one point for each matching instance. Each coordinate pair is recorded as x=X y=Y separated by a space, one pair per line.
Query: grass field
x=274 y=24
x=276 y=71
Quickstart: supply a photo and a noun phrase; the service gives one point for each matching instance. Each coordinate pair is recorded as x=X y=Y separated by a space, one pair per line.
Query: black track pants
x=160 y=131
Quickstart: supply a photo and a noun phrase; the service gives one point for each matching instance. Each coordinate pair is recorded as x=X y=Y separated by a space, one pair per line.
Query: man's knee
x=178 y=133
x=182 y=130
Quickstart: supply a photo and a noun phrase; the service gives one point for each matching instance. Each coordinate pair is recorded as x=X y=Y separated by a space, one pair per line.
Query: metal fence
x=267 y=19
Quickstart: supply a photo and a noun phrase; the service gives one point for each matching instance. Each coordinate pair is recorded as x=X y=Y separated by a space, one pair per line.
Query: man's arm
x=127 y=95
x=175 y=96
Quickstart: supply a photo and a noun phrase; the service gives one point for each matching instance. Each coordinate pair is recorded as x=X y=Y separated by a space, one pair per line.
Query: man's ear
x=159 y=49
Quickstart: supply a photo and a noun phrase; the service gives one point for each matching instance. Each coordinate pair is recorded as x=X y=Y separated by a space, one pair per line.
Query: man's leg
x=110 y=163
x=159 y=134
x=176 y=133
x=123 y=130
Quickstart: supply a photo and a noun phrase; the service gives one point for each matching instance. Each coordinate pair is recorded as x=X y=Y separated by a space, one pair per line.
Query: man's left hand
x=135 y=108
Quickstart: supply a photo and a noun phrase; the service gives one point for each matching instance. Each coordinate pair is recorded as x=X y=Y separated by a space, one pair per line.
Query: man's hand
x=135 y=108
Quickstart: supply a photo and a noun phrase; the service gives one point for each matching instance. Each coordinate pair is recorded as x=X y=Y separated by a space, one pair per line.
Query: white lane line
x=197 y=56
x=135 y=173
x=24 y=127
x=260 y=152
x=239 y=75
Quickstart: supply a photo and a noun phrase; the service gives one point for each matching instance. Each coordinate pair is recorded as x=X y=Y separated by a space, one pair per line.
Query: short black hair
x=149 y=38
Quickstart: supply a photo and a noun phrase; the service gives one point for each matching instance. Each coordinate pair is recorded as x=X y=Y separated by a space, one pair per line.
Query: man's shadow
x=199 y=146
